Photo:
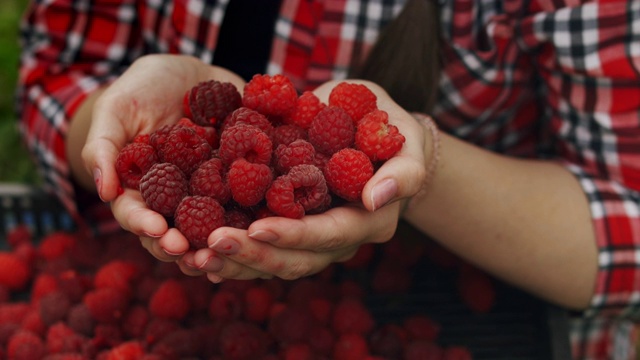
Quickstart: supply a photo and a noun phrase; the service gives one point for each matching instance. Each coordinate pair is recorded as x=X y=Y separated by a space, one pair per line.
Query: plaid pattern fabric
x=525 y=78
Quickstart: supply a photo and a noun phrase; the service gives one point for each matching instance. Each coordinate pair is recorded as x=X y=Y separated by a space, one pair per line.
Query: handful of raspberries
x=234 y=158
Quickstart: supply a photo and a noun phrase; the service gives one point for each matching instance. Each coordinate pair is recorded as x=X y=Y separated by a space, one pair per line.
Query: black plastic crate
x=518 y=327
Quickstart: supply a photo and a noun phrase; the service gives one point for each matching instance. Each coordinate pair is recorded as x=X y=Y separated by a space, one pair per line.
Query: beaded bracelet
x=427 y=122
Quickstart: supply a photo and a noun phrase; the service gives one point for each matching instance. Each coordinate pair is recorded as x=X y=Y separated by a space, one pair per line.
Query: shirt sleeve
x=69 y=49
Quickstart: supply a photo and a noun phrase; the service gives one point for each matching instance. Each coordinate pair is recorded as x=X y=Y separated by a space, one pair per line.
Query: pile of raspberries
x=234 y=158
x=68 y=296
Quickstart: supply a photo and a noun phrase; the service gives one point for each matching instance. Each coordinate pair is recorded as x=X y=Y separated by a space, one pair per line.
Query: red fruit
x=60 y=338
x=322 y=340
x=107 y=305
x=170 y=301
x=135 y=321
x=184 y=148
x=291 y=324
x=20 y=234
x=331 y=130
x=209 y=180
x=243 y=341
x=351 y=346
x=237 y=218
x=376 y=137
x=390 y=278
x=158 y=328
x=248 y=181
x=298 y=351
x=421 y=327
x=107 y=335
x=356 y=99
x=54 y=307
x=245 y=141
x=346 y=173
x=14 y=272
x=321 y=309
x=42 y=284
x=56 y=245
x=163 y=187
x=244 y=115
x=133 y=161
x=270 y=95
x=80 y=319
x=32 y=322
x=297 y=152
x=257 y=304
x=457 y=353
x=13 y=313
x=350 y=315
x=180 y=344
x=142 y=138
x=302 y=189
x=388 y=341
x=130 y=350
x=307 y=107
x=25 y=345
x=196 y=217
x=422 y=350
x=209 y=102
x=119 y=274
x=209 y=133
x=286 y=134
x=476 y=289
x=225 y=305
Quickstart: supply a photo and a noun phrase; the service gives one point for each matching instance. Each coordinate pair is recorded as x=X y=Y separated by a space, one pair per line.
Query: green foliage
x=15 y=164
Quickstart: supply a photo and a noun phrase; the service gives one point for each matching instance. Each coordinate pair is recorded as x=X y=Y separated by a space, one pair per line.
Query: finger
x=130 y=210
x=337 y=228
x=151 y=245
x=185 y=264
x=209 y=261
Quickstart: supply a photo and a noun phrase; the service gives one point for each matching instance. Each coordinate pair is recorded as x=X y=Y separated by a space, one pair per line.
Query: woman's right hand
x=147 y=96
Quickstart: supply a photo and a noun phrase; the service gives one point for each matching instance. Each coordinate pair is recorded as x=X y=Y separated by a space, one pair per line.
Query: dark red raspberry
x=356 y=99
x=170 y=301
x=242 y=340
x=184 y=148
x=196 y=217
x=25 y=344
x=225 y=305
x=208 y=133
x=347 y=172
x=163 y=187
x=257 y=304
x=331 y=130
x=350 y=315
x=54 y=307
x=270 y=95
x=302 y=189
x=296 y=153
x=286 y=134
x=107 y=305
x=209 y=180
x=423 y=350
x=376 y=137
x=211 y=101
x=248 y=181
x=421 y=327
x=80 y=319
x=476 y=289
x=132 y=349
x=133 y=161
x=117 y=273
x=249 y=117
x=307 y=107
x=237 y=218
x=351 y=346
x=245 y=141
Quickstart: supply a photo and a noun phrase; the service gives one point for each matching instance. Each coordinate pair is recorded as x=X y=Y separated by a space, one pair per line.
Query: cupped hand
x=294 y=248
x=145 y=97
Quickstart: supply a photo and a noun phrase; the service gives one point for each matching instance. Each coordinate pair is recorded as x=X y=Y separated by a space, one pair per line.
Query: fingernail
x=151 y=235
x=97 y=178
x=226 y=246
x=171 y=253
x=214 y=278
x=263 y=235
x=212 y=264
x=383 y=192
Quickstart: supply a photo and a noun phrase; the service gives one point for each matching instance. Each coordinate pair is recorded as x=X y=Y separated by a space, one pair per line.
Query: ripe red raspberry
x=209 y=102
x=159 y=136
x=132 y=349
x=270 y=95
x=302 y=189
x=291 y=324
x=421 y=327
x=422 y=350
x=347 y=172
x=142 y=138
x=20 y=234
x=245 y=141
x=54 y=307
x=14 y=272
x=376 y=137
x=242 y=340
x=107 y=305
x=331 y=130
x=456 y=353
x=208 y=133
x=250 y=117
x=163 y=187
x=237 y=218
x=286 y=134
x=133 y=161
x=257 y=304
x=185 y=148
x=119 y=274
x=388 y=341
x=248 y=181
x=25 y=344
x=60 y=338
x=350 y=346
x=13 y=313
x=196 y=217
x=307 y=107
x=209 y=180
x=56 y=245
x=135 y=321
x=296 y=153
x=170 y=301
x=350 y=315
x=356 y=99
x=225 y=305
x=476 y=289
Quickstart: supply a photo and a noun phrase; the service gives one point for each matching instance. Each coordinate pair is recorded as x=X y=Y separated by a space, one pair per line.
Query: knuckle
x=296 y=270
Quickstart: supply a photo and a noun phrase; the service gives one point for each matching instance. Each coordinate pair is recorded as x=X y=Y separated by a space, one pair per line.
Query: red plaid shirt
x=526 y=78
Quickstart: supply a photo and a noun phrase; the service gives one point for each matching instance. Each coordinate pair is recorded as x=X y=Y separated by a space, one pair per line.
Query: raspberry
x=208 y=133
x=296 y=153
x=322 y=340
x=135 y=321
x=142 y=138
x=257 y=304
x=54 y=307
x=298 y=351
x=160 y=135
x=209 y=102
x=119 y=274
x=286 y=134
x=43 y=284
x=351 y=346
x=107 y=335
x=170 y=301
x=132 y=349
x=347 y=172
x=248 y=116
x=248 y=181
x=237 y=218
x=270 y=95
x=163 y=187
x=457 y=353
x=20 y=234
x=60 y=338
x=158 y=328
x=56 y=245
x=209 y=180
x=303 y=188
x=388 y=341
x=179 y=344
x=356 y=99
x=107 y=305
x=350 y=315
x=245 y=141
x=307 y=107
x=225 y=305
x=133 y=161
x=14 y=272
x=422 y=350
x=25 y=345
x=291 y=324
x=421 y=327
x=13 y=313
x=185 y=148
x=476 y=289
x=376 y=137
x=196 y=217
x=80 y=319
x=243 y=341
x=331 y=130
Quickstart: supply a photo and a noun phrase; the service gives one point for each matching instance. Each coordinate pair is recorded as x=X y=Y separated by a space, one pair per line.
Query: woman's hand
x=147 y=96
x=294 y=248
